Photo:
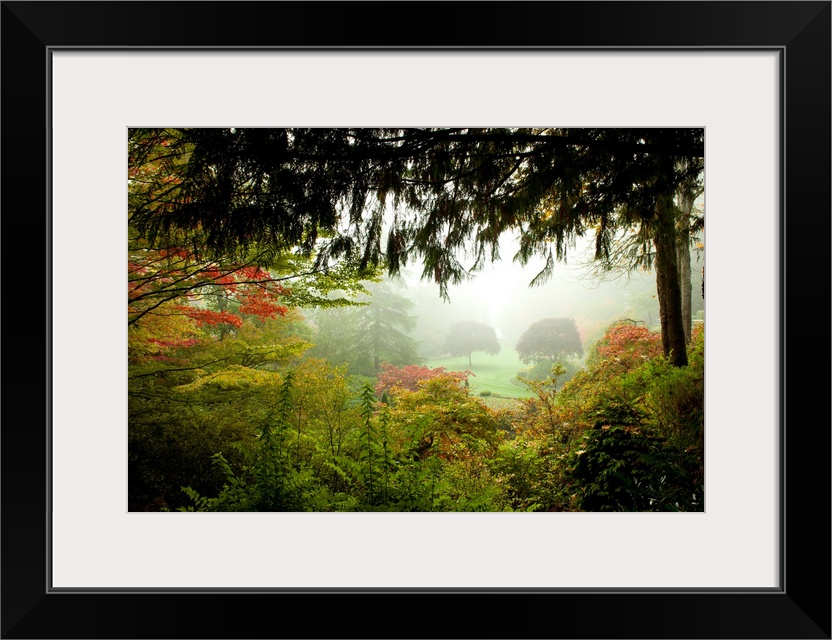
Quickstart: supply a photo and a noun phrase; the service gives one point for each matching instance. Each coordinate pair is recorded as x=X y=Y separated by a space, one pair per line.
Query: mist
x=500 y=296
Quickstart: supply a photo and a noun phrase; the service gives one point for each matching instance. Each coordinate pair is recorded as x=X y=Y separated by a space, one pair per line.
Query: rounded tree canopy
x=467 y=337
x=550 y=340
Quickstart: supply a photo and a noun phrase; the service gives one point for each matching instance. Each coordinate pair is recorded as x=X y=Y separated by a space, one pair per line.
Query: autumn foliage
x=160 y=276
x=628 y=345
x=410 y=376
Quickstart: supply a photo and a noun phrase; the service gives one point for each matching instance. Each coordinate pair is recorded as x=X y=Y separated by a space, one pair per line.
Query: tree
x=633 y=251
x=165 y=280
x=688 y=225
x=193 y=389
x=466 y=337
x=326 y=191
x=370 y=334
x=550 y=340
x=174 y=266
x=383 y=327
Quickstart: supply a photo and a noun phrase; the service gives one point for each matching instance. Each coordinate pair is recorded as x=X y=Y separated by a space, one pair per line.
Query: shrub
x=409 y=377
x=441 y=414
x=627 y=345
x=543 y=371
x=530 y=474
x=624 y=466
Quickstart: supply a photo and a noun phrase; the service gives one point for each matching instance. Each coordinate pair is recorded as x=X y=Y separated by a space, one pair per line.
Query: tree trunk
x=667 y=283
x=683 y=257
x=469 y=360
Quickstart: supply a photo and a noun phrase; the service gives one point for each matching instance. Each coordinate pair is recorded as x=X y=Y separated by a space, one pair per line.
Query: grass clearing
x=492 y=373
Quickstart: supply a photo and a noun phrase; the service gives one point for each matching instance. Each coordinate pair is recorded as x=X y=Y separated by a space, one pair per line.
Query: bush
x=627 y=345
x=530 y=474
x=642 y=450
x=543 y=371
x=409 y=377
x=624 y=466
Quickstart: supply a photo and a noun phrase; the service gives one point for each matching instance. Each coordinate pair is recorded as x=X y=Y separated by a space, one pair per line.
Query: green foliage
x=643 y=451
x=190 y=394
x=268 y=480
x=466 y=337
x=446 y=412
x=550 y=340
x=339 y=285
x=546 y=391
x=269 y=187
x=543 y=370
x=334 y=337
x=368 y=335
x=245 y=419
x=230 y=228
x=673 y=397
x=613 y=439
x=375 y=461
x=628 y=468
x=417 y=485
x=468 y=485
x=170 y=445
x=630 y=427
x=531 y=474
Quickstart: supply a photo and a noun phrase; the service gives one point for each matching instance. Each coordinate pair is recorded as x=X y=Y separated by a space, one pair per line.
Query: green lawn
x=493 y=373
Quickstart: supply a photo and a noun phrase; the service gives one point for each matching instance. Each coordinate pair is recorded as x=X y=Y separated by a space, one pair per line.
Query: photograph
x=416 y=320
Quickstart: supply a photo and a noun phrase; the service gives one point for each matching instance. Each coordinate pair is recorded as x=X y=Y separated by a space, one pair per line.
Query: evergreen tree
x=383 y=328
x=368 y=335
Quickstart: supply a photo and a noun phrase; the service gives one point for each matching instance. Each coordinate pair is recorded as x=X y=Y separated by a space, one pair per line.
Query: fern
x=268 y=481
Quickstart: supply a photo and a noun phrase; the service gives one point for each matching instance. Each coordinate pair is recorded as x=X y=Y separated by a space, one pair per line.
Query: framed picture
x=78 y=563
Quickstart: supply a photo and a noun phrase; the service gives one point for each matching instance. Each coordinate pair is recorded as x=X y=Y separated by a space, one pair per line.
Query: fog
x=500 y=296
x=408 y=322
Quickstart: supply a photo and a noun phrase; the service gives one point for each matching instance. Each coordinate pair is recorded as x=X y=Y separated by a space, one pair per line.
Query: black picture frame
x=800 y=31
